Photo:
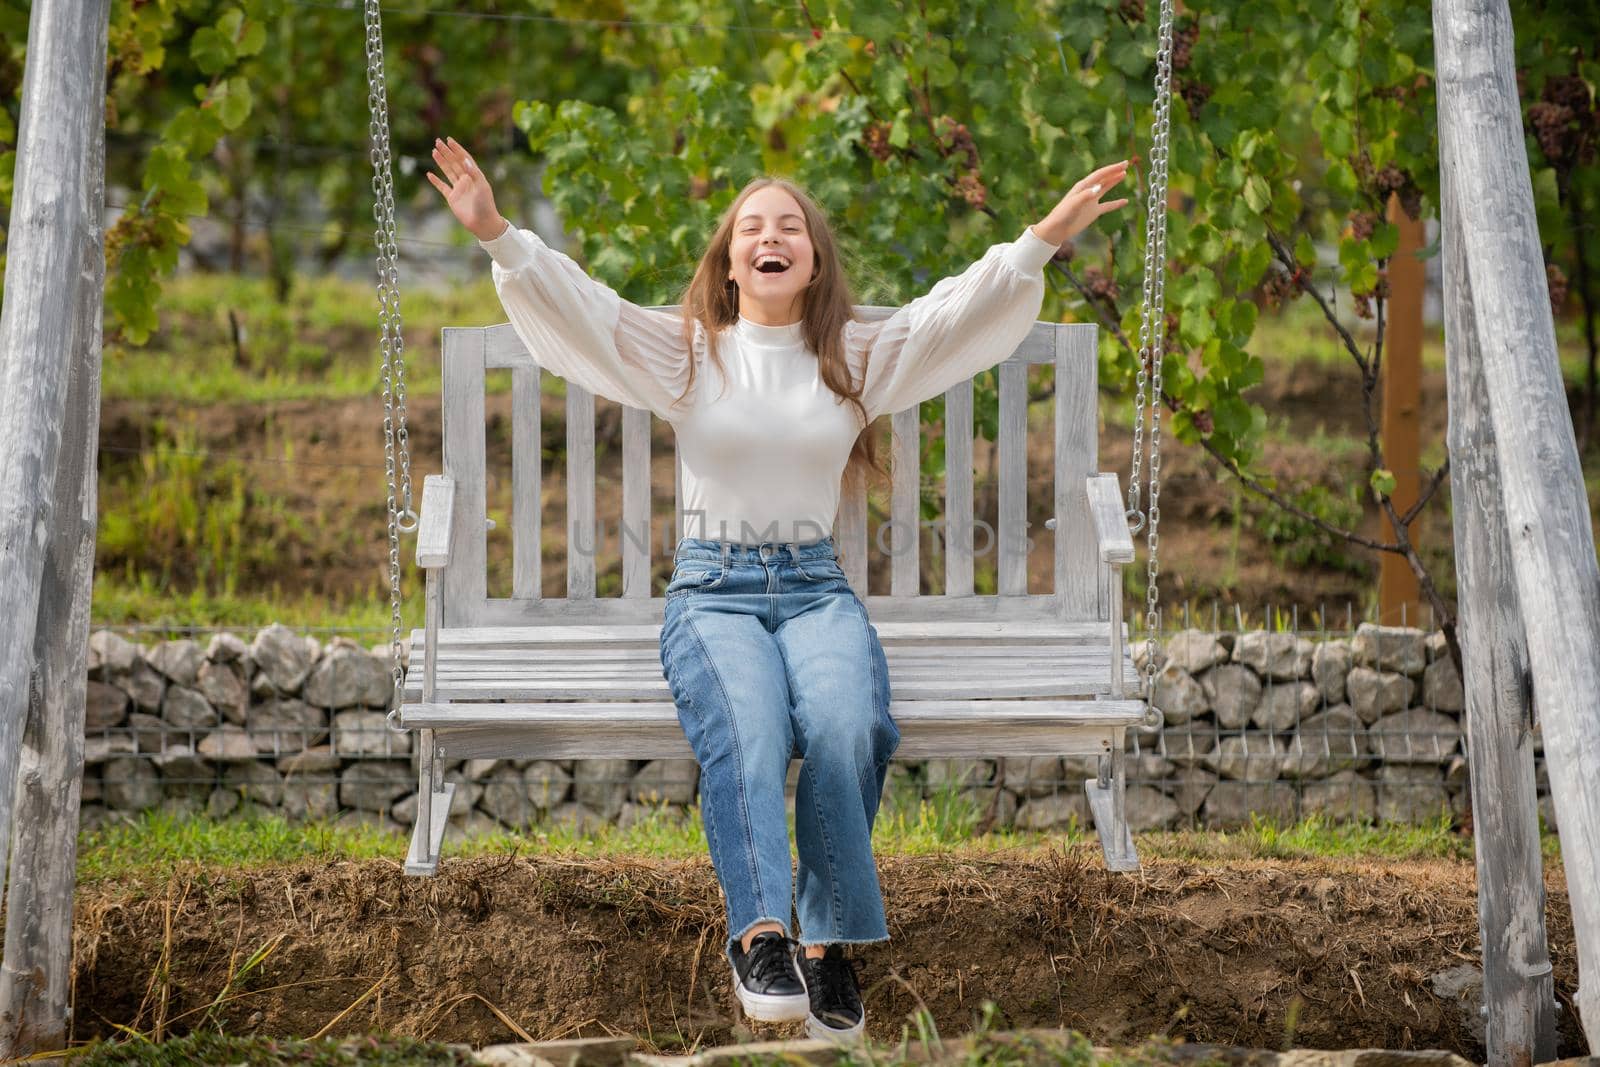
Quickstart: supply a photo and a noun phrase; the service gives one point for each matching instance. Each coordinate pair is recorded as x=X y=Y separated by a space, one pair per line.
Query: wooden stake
x=1483 y=153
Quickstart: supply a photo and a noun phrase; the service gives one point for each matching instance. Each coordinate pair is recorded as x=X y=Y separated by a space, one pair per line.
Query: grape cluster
x=876 y=139
x=1100 y=285
x=1391 y=179
x=1132 y=10
x=1556 y=279
x=956 y=139
x=1202 y=421
x=699 y=188
x=972 y=190
x=1194 y=94
x=1563 y=121
x=1065 y=253
x=1278 y=286
x=1362 y=223
x=1185 y=32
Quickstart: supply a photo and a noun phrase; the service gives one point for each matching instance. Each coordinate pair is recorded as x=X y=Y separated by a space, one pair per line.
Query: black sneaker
x=767 y=981
x=834 y=988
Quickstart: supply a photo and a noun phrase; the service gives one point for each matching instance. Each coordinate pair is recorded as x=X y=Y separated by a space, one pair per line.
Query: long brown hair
x=712 y=300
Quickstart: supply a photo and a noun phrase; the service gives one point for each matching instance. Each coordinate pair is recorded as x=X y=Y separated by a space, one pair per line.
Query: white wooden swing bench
x=1013 y=674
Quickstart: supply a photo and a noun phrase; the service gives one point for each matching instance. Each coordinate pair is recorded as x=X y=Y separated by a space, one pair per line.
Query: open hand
x=468 y=192
x=1081 y=206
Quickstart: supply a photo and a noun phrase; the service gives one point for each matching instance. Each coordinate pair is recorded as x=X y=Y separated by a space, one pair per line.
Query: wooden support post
x=1483 y=153
x=63 y=103
x=1518 y=987
x=1399 y=595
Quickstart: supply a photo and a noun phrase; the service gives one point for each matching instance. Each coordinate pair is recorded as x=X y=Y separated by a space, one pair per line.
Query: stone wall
x=1365 y=726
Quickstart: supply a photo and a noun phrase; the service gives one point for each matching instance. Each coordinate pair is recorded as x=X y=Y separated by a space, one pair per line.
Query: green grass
x=154 y=845
x=205 y=1047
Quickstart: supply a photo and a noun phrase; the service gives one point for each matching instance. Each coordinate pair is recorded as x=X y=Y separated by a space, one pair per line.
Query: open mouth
x=771 y=263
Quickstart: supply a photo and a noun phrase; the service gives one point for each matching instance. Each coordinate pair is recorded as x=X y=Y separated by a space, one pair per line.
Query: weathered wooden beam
x=1547 y=516
x=63 y=105
x=1517 y=983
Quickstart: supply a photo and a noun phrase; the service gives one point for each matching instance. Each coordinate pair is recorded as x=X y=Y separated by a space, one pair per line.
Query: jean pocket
x=819 y=570
x=692 y=576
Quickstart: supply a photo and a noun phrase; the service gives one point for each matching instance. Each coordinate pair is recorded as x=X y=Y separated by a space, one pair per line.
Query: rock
x=1190 y=786
x=1331 y=741
x=1284 y=705
x=1147 y=808
x=602 y=785
x=99 y=749
x=104 y=706
x=1191 y=743
x=1147 y=767
x=110 y=654
x=1031 y=776
x=476 y=770
x=987 y=798
x=1342 y=795
x=222 y=685
x=149 y=733
x=226 y=648
x=92 y=788
x=182 y=805
x=1411 y=793
x=665 y=781
x=1374 y=694
x=183 y=766
x=143 y=683
x=505 y=796
x=282 y=656
x=374 y=785
x=1141 y=656
x=186 y=708
x=632 y=814
x=941 y=774
x=367 y=733
x=1441 y=687
x=1178 y=695
x=472 y=824
x=1058 y=809
x=221 y=803
x=1330 y=665
x=1457 y=774
x=357 y=819
x=1232 y=803
x=130 y=784
x=279 y=726
x=548 y=783
x=1283 y=657
x=319 y=760
x=254 y=781
x=577 y=817
x=1194 y=651
x=304 y=799
x=1252 y=756
x=1414 y=736
x=1401 y=649
x=178 y=660
x=227 y=744
x=261 y=687
x=1462 y=987
x=462 y=801
x=1232 y=692
x=348 y=677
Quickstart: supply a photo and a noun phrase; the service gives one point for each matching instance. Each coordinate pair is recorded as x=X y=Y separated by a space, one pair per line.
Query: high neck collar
x=770 y=336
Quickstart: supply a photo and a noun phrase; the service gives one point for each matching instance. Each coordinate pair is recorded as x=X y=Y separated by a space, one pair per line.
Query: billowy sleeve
x=579 y=329
x=966 y=323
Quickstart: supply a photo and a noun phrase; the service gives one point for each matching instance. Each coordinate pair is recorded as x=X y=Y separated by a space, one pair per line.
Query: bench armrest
x=433 y=527
x=1110 y=521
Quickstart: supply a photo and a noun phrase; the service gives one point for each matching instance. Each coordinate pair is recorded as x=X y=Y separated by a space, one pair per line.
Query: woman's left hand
x=1081 y=206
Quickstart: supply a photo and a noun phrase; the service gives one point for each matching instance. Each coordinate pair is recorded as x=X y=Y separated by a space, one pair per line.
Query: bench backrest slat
x=1080 y=590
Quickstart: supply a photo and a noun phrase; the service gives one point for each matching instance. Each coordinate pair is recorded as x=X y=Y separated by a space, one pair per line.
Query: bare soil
x=1252 y=953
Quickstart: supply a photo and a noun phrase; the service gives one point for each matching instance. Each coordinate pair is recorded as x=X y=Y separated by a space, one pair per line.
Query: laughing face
x=771 y=257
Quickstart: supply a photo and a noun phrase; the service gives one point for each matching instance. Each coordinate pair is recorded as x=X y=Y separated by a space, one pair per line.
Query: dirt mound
x=493 y=949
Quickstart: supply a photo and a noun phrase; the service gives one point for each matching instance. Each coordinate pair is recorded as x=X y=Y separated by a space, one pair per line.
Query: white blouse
x=764 y=449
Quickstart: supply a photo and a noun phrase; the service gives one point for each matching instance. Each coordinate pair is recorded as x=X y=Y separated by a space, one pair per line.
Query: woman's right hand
x=468 y=193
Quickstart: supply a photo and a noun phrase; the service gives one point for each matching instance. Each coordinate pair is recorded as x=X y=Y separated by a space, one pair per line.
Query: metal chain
x=1152 y=337
x=396 y=447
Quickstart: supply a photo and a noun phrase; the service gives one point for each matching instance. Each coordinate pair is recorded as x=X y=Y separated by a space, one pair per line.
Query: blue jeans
x=769 y=654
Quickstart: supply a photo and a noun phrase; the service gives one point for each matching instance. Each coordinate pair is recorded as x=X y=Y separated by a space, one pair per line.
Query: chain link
x=1152 y=337
x=396 y=446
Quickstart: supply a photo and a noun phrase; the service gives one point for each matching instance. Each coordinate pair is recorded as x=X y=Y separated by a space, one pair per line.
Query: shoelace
x=769 y=958
x=837 y=985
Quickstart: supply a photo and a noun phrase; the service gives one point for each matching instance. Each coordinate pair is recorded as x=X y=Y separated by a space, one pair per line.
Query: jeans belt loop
x=725 y=554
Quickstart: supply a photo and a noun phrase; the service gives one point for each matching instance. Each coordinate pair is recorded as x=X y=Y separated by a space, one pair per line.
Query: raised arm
x=581 y=330
x=964 y=324
x=574 y=326
x=970 y=321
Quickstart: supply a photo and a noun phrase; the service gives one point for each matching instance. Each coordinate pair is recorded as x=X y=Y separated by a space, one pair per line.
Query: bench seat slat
x=612 y=636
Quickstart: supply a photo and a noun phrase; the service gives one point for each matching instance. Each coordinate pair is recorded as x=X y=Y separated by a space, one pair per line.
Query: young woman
x=769 y=384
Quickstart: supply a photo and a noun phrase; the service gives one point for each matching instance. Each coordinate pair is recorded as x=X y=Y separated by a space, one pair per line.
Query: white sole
x=771 y=1007
x=816 y=1028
